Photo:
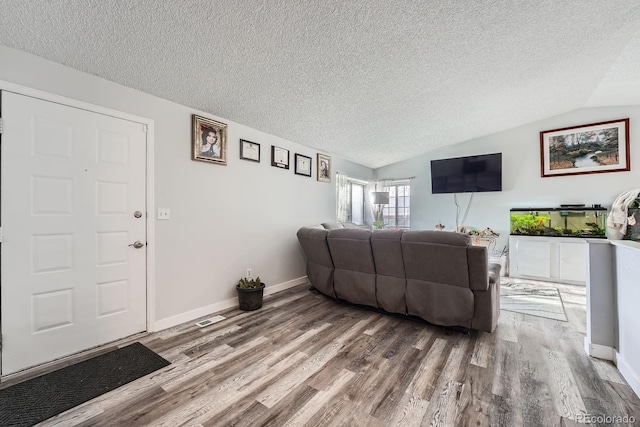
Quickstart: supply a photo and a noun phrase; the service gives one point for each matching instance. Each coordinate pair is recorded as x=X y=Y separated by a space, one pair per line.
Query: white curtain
x=342 y=197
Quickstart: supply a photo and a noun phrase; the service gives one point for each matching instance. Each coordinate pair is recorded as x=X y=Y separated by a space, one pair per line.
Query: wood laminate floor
x=304 y=359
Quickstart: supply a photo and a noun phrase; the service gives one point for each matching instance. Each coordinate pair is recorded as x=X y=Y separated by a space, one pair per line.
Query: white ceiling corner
x=374 y=82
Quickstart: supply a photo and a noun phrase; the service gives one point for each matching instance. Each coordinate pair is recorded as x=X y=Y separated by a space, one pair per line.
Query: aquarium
x=559 y=222
x=633 y=223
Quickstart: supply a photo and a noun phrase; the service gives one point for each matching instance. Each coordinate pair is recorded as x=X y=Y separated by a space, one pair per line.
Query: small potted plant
x=250 y=292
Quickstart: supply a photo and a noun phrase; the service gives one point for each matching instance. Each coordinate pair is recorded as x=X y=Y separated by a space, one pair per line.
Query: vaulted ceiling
x=371 y=81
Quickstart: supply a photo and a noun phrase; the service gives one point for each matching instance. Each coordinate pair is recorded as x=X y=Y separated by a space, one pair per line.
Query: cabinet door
x=532 y=258
x=572 y=261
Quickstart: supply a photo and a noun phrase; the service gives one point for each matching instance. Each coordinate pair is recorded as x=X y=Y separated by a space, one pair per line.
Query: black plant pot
x=250 y=299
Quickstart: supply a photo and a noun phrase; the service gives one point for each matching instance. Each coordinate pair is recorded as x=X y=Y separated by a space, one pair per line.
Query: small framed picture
x=249 y=150
x=209 y=140
x=302 y=165
x=279 y=157
x=324 y=168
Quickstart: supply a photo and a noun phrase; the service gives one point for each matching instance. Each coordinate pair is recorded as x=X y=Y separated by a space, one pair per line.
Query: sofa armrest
x=494 y=274
x=487 y=303
x=478 y=262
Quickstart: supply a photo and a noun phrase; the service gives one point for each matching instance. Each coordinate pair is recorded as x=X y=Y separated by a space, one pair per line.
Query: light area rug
x=533 y=300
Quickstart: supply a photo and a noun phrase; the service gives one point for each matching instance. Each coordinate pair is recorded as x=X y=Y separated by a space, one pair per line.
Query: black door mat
x=35 y=400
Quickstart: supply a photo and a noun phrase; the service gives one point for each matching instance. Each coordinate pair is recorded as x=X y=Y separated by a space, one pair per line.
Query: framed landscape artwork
x=324 y=168
x=209 y=140
x=592 y=148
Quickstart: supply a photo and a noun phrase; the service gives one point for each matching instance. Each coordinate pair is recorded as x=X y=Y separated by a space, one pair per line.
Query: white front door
x=72 y=182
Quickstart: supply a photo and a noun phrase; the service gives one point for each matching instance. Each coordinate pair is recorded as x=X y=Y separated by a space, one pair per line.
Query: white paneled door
x=73 y=205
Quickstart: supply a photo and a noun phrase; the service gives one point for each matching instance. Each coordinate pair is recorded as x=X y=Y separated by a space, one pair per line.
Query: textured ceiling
x=375 y=82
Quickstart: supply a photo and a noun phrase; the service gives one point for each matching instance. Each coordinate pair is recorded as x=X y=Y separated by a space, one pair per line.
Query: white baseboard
x=633 y=378
x=599 y=351
x=188 y=316
x=286 y=285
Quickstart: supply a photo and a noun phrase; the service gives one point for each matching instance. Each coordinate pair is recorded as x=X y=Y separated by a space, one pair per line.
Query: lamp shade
x=380 y=197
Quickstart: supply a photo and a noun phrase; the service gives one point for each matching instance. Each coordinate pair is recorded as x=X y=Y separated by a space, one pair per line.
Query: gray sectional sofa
x=437 y=276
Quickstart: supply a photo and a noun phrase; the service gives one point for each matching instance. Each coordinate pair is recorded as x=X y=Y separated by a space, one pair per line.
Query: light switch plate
x=164 y=213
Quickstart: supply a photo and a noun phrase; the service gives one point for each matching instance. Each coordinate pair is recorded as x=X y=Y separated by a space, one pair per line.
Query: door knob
x=137 y=244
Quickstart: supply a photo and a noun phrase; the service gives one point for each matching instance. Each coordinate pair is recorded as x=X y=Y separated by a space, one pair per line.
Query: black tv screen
x=473 y=174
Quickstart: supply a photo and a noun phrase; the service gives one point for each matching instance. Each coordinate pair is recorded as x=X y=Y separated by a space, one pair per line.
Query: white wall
x=521 y=180
x=224 y=219
x=627 y=271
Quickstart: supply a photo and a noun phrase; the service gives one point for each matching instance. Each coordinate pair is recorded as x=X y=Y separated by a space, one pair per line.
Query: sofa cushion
x=436 y=256
x=332 y=225
x=390 y=280
x=439 y=303
x=314 y=244
x=355 y=274
x=350 y=225
x=437 y=237
x=351 y=249
x=319 y=263
x=387 y=252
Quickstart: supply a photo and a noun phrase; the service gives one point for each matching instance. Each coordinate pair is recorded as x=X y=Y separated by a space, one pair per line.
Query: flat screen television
x=473 y=174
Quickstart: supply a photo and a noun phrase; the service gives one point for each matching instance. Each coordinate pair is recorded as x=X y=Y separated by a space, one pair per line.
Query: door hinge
x=0 y=242
x=144 y=128
x=0 y=125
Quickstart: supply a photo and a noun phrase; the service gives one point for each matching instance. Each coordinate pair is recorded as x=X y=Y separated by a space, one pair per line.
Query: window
x=356 y=204
x=397 y=213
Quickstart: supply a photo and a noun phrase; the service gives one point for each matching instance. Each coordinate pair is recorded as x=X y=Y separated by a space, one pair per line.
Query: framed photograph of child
x=324 y=168
x=209 y=140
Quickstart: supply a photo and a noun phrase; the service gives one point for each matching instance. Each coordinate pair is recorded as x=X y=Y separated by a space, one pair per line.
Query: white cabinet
x=529 y=257
x=551 y=258
x=572 y=261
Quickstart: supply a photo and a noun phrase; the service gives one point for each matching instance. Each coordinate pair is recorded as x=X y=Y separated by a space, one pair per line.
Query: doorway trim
x=149 y=188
